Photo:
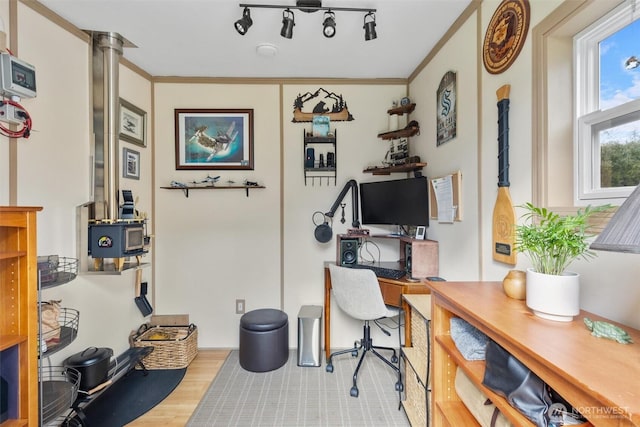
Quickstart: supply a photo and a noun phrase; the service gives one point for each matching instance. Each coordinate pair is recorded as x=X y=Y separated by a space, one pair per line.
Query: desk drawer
x=392 y=294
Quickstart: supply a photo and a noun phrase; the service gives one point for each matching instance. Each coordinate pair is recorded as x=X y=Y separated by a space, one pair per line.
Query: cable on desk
x=365 y=245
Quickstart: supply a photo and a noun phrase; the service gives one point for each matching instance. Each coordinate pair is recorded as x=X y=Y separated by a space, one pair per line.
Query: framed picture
x=130 y=163
x=214 y=139
x=133 y=122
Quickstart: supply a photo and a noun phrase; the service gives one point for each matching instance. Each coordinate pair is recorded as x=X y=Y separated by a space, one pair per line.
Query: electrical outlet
x=239 y=306
x=12 y=114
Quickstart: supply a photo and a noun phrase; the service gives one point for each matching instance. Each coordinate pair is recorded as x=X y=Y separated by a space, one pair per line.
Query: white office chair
x=358 y=294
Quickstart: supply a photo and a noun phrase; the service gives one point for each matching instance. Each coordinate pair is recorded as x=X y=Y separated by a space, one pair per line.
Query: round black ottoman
x=264 y=340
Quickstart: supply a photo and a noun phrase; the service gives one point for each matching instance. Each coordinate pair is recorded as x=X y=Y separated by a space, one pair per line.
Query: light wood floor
x=176 y=409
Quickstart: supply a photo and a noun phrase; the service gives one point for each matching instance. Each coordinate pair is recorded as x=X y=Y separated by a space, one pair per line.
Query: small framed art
x=130 y=163
x=132 y=124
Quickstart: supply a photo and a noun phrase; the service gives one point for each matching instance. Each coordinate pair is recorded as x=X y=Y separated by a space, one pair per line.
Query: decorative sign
x=446 y=108
x=337 y=111
x=506 y=33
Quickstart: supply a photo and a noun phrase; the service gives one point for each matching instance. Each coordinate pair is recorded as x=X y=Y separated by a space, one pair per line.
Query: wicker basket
x=415 y=403
x=174 y=346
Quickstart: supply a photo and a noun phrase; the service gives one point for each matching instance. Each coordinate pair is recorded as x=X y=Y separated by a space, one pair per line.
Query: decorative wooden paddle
x=504 y=217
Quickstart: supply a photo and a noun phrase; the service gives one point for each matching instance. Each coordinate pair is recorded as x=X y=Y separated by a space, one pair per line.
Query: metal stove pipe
x=107 y=50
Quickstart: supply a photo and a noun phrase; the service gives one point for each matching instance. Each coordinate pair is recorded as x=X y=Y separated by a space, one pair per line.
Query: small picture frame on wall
x=133 y=123
x=130 y=163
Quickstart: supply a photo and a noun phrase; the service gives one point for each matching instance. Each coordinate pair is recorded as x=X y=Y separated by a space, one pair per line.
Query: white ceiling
x=198 y=38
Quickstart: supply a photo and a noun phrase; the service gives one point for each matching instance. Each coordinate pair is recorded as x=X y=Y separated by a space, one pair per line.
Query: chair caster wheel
x=354 y=391
x=329 y=367
x=399 y=386
x=394 y=359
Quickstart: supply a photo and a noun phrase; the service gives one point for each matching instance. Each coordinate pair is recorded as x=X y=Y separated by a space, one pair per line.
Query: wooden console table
x=598 y=376
x=392 y=291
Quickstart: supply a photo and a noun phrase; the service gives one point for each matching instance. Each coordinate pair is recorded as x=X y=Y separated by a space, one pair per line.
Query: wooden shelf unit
x=596 y=375
x=18 y=312
x=406 y=132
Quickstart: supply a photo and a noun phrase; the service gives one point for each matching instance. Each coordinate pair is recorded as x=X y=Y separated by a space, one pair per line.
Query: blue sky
x=618 y=85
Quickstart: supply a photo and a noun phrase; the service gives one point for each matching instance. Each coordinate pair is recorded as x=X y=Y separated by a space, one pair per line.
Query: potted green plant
x=552 y=242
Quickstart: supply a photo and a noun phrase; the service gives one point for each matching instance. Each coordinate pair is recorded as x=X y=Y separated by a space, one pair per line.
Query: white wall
x=519 y=77
x=458 y=242
x=53 y=170
x=357 y=147
x=217 y=246
x=608 y=287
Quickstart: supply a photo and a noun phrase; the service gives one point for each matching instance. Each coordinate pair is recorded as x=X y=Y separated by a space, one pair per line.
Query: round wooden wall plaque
x=505 y=35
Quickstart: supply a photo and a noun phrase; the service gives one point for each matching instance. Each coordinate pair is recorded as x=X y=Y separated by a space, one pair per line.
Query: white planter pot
x=553 y=297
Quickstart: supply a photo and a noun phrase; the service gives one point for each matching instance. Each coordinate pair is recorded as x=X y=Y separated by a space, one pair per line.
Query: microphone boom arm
x=323 y=231
x=353 y=186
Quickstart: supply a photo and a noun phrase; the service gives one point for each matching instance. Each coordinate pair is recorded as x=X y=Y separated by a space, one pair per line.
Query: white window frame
x=588 y=114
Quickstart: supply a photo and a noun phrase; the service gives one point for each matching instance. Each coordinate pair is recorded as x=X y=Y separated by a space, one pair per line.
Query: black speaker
x=331 y=160
x=407 y=258
x=348 y=251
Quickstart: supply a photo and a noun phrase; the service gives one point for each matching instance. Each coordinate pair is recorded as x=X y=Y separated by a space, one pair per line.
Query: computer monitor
x=401 y=202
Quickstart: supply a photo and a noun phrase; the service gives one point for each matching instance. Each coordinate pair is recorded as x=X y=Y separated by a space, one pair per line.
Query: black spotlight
x=287 y=24
x=370 y=26
x=329 y=24
x=243 y=24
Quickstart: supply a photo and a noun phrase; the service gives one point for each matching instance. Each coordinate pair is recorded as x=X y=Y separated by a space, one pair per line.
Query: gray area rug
x=301 y=396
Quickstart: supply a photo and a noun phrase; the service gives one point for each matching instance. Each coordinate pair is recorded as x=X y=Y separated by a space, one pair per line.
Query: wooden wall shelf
x=403 y=109
x=400 y=133
x=409 y=167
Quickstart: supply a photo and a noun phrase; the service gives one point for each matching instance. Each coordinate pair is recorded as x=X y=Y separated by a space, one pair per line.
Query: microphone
x=323 y=232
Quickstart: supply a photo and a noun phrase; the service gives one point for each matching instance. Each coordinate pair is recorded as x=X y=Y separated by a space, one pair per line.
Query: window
x=607 y=107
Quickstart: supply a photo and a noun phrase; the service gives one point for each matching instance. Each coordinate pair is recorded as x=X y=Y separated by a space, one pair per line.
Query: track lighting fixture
x=329 y=24
x=243 y=24
x=287 y=24
x=309 y=6
x=370 y=26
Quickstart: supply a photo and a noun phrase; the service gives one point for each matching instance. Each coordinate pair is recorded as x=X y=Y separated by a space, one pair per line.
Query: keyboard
x=387 y=273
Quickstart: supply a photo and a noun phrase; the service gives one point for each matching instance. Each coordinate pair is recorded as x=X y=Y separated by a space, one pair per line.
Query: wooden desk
x=392 y=291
